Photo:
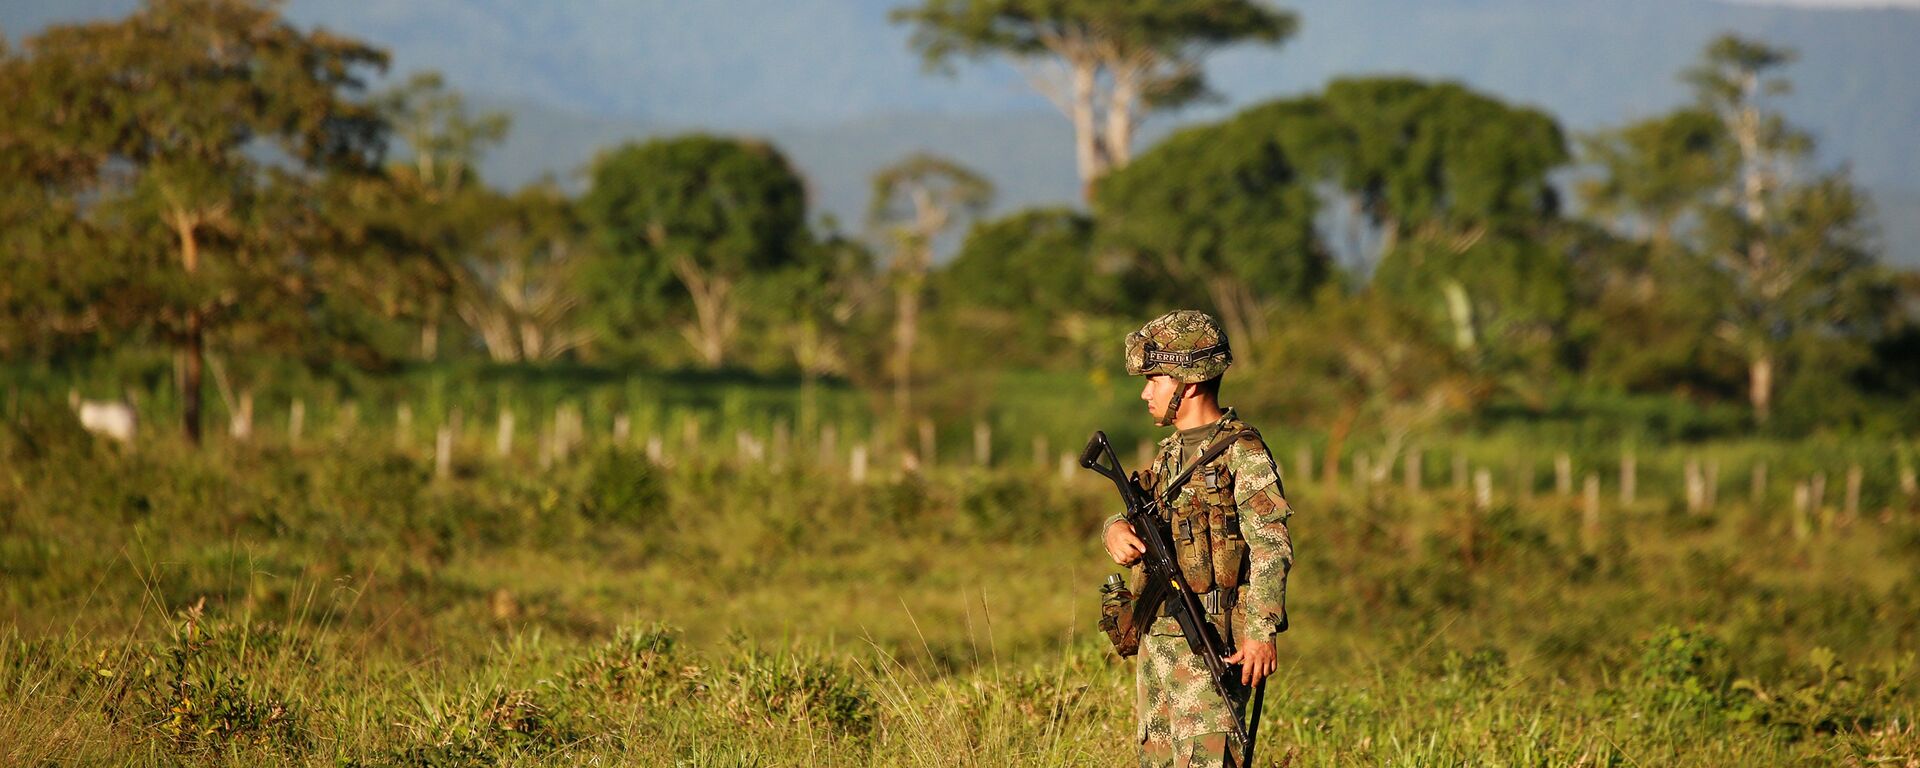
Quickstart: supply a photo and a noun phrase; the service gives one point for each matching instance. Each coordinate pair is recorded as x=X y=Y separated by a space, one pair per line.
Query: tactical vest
x=1204 y=520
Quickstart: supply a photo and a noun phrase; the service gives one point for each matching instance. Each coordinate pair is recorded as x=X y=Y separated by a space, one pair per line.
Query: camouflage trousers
x=1183 y=721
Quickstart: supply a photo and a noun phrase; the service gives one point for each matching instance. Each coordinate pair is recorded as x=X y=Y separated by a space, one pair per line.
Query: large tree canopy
x=1105 y=64
x=1227 y=209
x=143 y=138
x=1418 y=154
x=705 y=210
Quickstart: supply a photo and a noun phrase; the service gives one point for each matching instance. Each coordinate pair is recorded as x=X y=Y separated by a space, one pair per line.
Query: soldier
x=1229 y=531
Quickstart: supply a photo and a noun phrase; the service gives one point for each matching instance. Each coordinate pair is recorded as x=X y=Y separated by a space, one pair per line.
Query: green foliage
x=1223 y=211
x=622 y=487
x=1420 y=155
x=1028 y=289
x=1656 y=170
x=706 y=211
x=192 y=694
x=152 y=128
x=352 y=610
x=1132 y=34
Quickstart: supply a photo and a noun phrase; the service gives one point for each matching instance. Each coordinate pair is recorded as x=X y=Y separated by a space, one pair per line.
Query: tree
x=515 y=279
x=446 y=140
x=1227 y=208
x=1793 y=254
x=1029 y=289
x=152 y=124
x=1656 y=171
x=1361 y=363
x=1105 y=65
x=706 y=211
x=1454 y=185
x=446 y=143
x=915 y=201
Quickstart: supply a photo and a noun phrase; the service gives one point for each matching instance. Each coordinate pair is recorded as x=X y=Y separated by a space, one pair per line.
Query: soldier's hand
x=1122 y=544
x=1256 y=660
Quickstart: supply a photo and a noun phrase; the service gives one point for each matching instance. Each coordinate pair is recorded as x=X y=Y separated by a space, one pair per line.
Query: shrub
x=623 y=488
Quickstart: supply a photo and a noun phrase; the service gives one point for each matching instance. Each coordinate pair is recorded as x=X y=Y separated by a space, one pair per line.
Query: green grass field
x=333 y=602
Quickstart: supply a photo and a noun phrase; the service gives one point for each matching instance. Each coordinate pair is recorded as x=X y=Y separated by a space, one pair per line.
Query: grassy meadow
x=336 y=599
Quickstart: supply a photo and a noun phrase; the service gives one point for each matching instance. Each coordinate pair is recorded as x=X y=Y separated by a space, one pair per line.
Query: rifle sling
x=1148 y=606
x=1212 y=452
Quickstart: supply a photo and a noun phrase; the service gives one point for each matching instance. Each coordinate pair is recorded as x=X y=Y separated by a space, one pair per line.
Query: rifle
x=1164 y=582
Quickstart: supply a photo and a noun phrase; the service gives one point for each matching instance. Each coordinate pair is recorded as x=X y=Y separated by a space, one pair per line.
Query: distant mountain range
x=835 y=84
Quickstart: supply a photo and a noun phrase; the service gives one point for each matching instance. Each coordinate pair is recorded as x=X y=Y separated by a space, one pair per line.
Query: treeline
x=1388 y=253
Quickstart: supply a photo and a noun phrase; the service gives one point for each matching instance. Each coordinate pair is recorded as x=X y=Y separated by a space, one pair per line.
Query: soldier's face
x=1158 y=389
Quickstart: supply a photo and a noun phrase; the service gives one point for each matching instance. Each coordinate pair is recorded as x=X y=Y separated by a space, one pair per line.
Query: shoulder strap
x=1212 y=452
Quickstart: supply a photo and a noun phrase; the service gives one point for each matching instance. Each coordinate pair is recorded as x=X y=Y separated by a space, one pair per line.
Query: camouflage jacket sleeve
x=1263 y=521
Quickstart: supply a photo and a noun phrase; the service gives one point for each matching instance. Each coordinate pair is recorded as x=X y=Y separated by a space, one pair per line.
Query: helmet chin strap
x=1173 y=405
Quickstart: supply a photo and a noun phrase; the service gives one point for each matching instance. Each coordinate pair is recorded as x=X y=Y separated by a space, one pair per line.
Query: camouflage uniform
x=1182 y=720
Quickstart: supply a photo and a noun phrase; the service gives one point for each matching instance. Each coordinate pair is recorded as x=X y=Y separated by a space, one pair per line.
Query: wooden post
x=1909 y=485
x=1067 y=466
x=503 y=434
x=622 y=429
x=1802 y=510
x=403 y=426
x=240 y=423
x=1590 y=512
x=857 y=463
x=296 y=419
x=1629 y=477
x=1854 y=478
x=982 y=444
x=1695 y=489
x=1710 y=485
x=1483 y=489
x=690 y=434
x=545 y=442
x=1563 y=474
x=1817 y=495
x=574 y=431
x=1303 y=463
x=443 y=453
x=656 y=449
x=349 y=418
x=1411 y=471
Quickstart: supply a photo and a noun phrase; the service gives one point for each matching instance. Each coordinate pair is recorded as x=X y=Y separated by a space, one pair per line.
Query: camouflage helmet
x=1186 y=344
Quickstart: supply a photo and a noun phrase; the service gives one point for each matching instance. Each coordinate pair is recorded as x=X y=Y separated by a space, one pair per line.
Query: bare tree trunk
x=1124 y=97
x=906 y=332
x=1760 y=386
x=1088 y=153
x=1336 y=442
x=714 y=316
x=192 y=379
x=1240 y=311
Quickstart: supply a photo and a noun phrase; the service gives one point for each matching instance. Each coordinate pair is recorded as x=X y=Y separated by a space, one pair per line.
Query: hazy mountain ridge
x=836 y=85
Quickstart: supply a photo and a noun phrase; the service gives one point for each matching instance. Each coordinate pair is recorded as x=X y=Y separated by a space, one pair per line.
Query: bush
x=623 y=488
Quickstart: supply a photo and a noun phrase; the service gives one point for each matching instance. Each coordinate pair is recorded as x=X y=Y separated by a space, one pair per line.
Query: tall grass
x=334 y=602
